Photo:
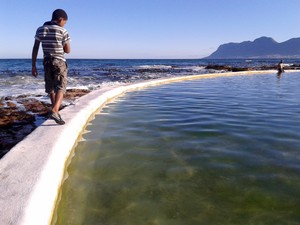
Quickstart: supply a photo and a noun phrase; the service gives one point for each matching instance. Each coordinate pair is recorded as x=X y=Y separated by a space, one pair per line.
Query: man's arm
x=35 y=51
x=67 y=47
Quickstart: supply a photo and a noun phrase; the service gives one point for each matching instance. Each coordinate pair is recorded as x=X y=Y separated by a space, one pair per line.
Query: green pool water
x=208 y=151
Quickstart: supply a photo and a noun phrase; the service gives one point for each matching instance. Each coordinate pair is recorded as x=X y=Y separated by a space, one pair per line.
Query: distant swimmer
x=280 y=68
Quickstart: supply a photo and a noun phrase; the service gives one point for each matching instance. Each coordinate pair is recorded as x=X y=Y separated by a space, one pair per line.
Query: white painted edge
x=32 y=172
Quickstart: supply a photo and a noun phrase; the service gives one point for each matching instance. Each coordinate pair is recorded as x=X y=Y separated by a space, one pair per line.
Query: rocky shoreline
x=20 y=115
x=240 y=69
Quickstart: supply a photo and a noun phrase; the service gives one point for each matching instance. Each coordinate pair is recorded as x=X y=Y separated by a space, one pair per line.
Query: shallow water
x=208 y=151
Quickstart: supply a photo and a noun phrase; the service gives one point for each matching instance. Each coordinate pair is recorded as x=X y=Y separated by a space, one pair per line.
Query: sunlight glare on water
x=208 y=151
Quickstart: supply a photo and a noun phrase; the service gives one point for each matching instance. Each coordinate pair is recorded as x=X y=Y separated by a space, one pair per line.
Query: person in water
x=55 y=43
x=280 y=68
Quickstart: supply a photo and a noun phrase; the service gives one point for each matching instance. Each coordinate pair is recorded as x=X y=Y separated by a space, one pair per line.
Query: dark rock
x=8 y=98
x=228 y=68
x=267 y=68
x=218 y=67
x=10 y=136
x=36 y=106
x=73 y=94
x=9 y=116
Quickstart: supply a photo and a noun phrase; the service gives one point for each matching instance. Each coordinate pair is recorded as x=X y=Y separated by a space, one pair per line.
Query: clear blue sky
x=148 y=28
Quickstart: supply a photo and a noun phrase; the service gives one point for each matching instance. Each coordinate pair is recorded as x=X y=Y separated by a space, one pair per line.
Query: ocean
x=16 y=78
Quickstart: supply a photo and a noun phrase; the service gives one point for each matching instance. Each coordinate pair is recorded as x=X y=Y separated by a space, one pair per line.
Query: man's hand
x=34 y=71
x=67 y=47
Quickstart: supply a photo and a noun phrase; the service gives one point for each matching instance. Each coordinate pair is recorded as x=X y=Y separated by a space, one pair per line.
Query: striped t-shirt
x=53 y=38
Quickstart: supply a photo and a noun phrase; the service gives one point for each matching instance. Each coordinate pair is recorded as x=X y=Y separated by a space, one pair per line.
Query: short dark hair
x=59 y=13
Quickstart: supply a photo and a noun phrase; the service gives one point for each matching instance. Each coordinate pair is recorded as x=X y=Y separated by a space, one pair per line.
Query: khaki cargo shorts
x=56 y=72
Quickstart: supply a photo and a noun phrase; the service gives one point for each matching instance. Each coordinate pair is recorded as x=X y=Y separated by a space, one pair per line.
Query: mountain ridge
x=263 y=47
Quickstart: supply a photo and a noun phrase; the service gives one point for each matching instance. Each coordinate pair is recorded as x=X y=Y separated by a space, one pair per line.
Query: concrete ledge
x=32 y=172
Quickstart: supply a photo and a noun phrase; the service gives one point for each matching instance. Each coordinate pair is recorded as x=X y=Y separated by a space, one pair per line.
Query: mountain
x=263 y=47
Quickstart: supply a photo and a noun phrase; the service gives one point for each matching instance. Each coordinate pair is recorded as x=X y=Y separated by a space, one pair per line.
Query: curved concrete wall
x=32 y=172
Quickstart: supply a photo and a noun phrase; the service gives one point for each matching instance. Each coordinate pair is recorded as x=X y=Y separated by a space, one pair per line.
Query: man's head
x=60 y=16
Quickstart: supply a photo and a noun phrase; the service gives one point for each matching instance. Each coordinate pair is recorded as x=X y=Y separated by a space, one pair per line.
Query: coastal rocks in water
x=9 y=116
x=228 y=68
x=11 y=135
x=292 y=67
x=240 y=69
x=35 y=106
x=73 y=94
x=15 y=124
x=19 y=116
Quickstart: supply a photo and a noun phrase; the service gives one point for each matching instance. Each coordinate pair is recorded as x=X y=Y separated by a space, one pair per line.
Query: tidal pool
x=211 y=151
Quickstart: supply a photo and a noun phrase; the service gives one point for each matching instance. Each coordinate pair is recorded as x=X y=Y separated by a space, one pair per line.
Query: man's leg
x=56 y=100
x=52 y=98
x=60 y=71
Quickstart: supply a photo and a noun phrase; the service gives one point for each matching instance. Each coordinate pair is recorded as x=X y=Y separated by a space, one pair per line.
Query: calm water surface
x=208 y=151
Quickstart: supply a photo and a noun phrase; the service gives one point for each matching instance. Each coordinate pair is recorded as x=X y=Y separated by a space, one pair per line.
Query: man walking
x=55 y=42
